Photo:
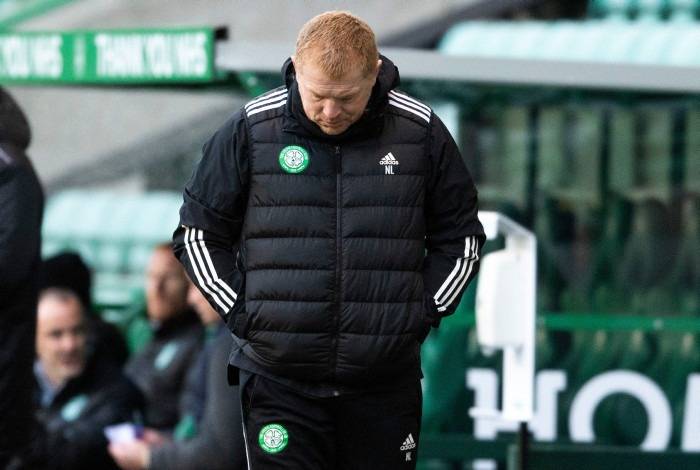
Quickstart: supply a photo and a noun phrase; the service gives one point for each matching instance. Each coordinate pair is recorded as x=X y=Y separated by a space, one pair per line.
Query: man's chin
x=333 y=130
x=71 y=371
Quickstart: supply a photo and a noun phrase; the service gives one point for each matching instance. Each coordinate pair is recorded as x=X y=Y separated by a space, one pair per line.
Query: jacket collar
x=370 y=124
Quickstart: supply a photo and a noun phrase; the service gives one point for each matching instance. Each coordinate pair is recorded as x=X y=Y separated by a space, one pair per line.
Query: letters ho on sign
x=133 y=56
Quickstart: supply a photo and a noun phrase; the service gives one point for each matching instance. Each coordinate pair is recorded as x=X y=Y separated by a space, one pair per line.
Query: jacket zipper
x=339 y=258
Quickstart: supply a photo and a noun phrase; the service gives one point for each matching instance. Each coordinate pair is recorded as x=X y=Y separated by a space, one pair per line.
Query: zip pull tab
x=339 y=163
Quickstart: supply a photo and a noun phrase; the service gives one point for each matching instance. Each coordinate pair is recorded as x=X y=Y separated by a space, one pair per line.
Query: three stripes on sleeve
x=204 y=270
x=458 y=277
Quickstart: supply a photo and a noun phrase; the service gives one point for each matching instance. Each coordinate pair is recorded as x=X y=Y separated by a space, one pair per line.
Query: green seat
x=684 y=279
x=111 y=257
x=114 y=234
x=569 y=161
x=612 y=9
x=569 y=158
x=683 y=10
x=620 y=419
x=550 y=248
x=545 y=349
x=639 y=274
x=502 y=156
x=691 y=166
x=622 y=139
x=444 y=393
x=591 y=353
x=650 y=10
x=641 y=160
x=138 y=334
x=607 y=295
x=678 y=355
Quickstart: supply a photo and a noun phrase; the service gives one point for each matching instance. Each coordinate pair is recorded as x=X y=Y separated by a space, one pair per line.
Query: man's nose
x=331 y=110
x=70 y=342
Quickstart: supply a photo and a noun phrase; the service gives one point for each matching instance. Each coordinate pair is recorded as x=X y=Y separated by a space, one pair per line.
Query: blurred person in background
x=78 y=395
x=359 y=232
x=194 y=395
x=217 y=443
x=161 y=367
x=68 y=270
x=21 y=207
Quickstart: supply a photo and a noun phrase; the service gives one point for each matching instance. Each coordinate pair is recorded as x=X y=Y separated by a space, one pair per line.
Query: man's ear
x=376 y=70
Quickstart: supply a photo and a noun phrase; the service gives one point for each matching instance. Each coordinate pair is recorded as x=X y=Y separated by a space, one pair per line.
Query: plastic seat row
x=665 y=357
x=113 y=232
x=657 y=43
x=645 y=10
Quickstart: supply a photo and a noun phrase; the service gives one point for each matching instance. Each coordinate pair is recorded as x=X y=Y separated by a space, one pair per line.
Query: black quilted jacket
x=351 y=246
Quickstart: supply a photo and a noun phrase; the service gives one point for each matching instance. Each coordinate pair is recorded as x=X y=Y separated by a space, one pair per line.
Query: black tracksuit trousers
x=285 y=429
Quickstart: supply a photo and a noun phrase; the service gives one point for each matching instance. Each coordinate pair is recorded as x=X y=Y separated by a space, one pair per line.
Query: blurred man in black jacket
x=79 y=395
x=160 y=369
x=21 y=206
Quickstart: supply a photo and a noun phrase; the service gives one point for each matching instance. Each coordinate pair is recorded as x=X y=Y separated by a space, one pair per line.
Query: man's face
x=60 y=339
x=333 y=104
x=166 y=286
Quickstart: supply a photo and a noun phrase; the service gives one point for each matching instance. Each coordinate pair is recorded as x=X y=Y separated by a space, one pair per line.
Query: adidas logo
x=408 y=444
x=389 y=160
x=388 y=163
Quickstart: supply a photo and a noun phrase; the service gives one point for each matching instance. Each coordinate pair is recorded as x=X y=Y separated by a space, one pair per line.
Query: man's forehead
x=56 y=315
x=315 y=80
x=334 y=87
x=311 y=68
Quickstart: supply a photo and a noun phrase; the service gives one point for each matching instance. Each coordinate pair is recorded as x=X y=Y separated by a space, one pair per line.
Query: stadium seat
x=115 y=234
x=503 y=156
x=138 y=333
x=550 y=253
x=621 y=141
x=545 y=349
x=445 y=404
x=639 y=273
x=683 y=10
x=616 y=416
x=641 y=153
x=607 y=295
x=691 y=166
x=684 y=279
x=591 y=353
x=656 y=161
x=612 y=9
x=583 y=172
x=678 y=355
x=650 y=10
x=551 y=144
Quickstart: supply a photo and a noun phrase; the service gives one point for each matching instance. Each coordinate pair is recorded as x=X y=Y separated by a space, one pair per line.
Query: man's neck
x=48 y=385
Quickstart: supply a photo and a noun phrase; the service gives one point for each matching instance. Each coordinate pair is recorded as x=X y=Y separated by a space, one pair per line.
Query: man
x=21 y=207
x=218 y=443
x=194 y=395
x=79 y=396
x=358 y=231
x=68 y=270
x=159 y=369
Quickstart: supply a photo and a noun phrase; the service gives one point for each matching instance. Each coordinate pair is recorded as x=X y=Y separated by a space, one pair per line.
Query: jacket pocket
x=428 y=317
x=238 y=316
